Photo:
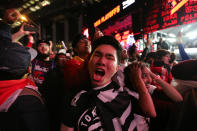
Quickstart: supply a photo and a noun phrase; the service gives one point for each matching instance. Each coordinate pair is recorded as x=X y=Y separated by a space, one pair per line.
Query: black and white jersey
x=110 y=108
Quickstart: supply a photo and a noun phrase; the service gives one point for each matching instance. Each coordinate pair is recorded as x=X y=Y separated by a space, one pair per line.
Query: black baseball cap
x=15 y=58
x=42 y=41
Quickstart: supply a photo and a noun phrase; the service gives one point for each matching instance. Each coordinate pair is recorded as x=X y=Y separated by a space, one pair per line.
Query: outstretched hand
x=18 y=35
x=179 y=37
x=25 y=32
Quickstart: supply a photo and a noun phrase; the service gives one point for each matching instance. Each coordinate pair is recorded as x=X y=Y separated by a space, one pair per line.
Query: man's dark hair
x=76 y=39
x=42 y=41
x=57 y=57
x=172 y=57
x=132 y=49
x=108 y=40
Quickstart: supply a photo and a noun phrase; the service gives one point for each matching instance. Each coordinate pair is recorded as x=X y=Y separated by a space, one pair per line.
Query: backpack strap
x=30 y=91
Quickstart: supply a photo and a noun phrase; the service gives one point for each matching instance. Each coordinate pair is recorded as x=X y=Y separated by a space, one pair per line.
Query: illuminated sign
x=110 y=14
x=127 y=3
x=157 y=19
x=125 y=38
x=178 y=6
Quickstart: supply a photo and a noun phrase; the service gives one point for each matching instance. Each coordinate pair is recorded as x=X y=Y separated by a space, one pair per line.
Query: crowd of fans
x=101 y=87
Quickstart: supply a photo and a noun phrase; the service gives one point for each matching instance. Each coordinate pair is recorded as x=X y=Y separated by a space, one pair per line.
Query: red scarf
x=8 y=87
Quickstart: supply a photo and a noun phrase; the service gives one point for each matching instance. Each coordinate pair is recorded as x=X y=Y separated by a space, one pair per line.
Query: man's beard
x=43 y=56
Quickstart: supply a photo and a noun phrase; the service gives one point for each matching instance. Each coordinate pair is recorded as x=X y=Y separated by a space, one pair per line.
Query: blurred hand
x=179 y=37
x=135 y=71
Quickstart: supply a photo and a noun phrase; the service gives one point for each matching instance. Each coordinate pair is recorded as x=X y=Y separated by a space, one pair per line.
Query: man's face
x=43 y=48
x=146 y=76
x=102 y=65
x=83 y=46
x=12 y=15
x=61 y=60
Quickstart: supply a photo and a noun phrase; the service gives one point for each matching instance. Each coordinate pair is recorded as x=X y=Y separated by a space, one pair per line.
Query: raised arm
x=168 y=89
x=18 y=35
x=182 y=52
x=145 y=51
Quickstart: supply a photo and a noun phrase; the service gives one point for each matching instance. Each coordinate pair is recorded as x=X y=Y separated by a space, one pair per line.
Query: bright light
x=191 y=35
x=172 y=35
x=127 y=3
x=24 y=6
x=27 y=4
x=36 y=0
x=32 y=9
x=37 y=7
x=171 y=40
x=45 y=3
x=32 y=2
x=179 y=5
x=23 y=18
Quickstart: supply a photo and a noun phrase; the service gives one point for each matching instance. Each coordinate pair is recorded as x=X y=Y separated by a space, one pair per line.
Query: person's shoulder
x=29 y=99
x=27 y=103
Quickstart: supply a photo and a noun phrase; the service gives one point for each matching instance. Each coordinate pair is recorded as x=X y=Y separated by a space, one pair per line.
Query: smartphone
x=30 y=28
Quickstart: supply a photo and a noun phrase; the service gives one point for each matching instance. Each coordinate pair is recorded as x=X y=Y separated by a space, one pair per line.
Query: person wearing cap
x=19 y=96
x=42 y=63
x=185 y=115
x=82 y=47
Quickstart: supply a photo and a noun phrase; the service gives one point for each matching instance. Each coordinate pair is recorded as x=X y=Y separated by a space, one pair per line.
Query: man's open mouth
x=98 y=74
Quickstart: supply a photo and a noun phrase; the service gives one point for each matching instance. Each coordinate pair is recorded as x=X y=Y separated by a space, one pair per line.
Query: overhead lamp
x=32 y=9
x=45 y=3
x=24 y=6
x=36 y=0
x=37 y=7
x=32 y=2
x=27 y=4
